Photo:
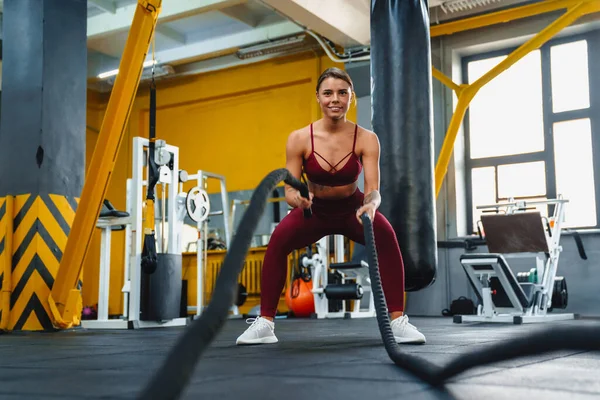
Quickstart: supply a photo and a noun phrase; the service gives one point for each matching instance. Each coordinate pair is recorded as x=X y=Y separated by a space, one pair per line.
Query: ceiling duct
x=452 y=6
x=287 y=45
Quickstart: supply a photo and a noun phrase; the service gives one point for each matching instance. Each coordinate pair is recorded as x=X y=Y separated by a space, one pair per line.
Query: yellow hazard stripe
x=41 y=227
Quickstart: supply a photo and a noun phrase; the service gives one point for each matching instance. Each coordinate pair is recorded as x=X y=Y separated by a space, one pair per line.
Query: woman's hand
x=370 y=204
x=302 y=202
x=368 y=208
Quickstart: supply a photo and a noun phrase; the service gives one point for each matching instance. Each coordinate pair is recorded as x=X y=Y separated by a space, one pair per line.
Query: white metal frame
x=479 y=270
x=201 y=177
x=140 y=147
x=133 y=243
x=102 y=321
x=320 y=266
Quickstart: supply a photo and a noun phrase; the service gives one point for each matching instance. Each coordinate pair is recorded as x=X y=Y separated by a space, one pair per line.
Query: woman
x=329 y=152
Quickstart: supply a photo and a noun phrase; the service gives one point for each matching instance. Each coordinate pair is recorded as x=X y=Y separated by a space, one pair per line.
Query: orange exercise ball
x=299 y=298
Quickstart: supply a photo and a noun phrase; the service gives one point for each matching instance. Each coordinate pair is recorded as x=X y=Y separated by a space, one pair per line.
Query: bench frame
x=514 y=231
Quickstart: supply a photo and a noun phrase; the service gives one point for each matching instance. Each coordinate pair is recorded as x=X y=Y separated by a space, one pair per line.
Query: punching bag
x=402 y=119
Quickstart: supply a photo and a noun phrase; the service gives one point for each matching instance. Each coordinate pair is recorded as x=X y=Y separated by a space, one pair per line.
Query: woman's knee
x=282 y=235
x=279 y=246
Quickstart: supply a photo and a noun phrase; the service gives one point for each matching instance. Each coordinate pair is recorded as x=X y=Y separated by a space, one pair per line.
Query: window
x=575 y=170
x=521 y=180
x=570 y=76
x=524 y=131
x=530 y=132
x=484 y=179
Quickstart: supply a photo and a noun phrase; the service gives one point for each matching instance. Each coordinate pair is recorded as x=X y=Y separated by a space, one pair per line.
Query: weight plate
x=197 y=204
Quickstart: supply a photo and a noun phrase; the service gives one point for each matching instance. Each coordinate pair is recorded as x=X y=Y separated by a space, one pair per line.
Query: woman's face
x=334 y=97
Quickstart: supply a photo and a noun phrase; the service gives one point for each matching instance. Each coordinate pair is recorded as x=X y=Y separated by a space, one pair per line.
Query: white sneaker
x=261 y=331
x=405 y=332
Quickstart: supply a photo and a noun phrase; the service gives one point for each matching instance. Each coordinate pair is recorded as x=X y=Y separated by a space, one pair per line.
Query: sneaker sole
x=400 y=340
x=267 y=340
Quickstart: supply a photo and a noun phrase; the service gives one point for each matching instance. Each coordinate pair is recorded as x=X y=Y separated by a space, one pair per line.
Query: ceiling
x=191 y=35
x=194 y=36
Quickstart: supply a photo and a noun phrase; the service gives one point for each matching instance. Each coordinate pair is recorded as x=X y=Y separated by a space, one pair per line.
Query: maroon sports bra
x=348 y=174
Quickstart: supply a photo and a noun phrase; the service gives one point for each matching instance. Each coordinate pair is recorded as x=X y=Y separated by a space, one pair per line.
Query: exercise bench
x=513 y=230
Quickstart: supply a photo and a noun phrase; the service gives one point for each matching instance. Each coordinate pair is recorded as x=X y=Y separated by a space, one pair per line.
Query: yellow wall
x=233 y=122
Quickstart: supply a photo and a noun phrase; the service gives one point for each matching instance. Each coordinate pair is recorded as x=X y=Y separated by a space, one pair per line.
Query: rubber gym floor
x=321 y=359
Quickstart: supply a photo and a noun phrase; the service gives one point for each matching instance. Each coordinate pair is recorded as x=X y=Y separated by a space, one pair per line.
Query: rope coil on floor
x=170 y=380
x=546 y=340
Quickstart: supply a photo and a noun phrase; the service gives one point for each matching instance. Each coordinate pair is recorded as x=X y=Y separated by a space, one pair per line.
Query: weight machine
x=198 y=208
x=168 y=237
x=175 y=206
x=350 y=281
x=518 y=232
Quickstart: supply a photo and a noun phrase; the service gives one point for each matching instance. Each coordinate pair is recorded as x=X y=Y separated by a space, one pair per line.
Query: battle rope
x=420 y=368
x=173 y=376
x=543 y=341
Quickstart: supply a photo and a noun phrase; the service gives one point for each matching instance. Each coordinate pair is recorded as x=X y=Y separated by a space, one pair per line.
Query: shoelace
x=402 y=321
x=256 y=323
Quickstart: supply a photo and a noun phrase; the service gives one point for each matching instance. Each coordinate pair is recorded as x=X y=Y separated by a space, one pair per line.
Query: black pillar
x=42 y=131
x=403 y=120
x=42 y=143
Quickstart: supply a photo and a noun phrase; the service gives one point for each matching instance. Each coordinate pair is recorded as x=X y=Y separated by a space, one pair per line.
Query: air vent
x=293 y=43
x=452 y=6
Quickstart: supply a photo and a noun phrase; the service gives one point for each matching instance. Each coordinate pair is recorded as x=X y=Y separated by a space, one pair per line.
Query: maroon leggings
x=330 y=217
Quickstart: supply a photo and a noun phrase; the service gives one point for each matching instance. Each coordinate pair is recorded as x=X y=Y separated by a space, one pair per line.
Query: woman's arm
x=370 y=160
x=293 y=162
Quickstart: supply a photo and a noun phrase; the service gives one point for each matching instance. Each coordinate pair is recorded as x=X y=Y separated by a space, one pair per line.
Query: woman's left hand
x=368 y=208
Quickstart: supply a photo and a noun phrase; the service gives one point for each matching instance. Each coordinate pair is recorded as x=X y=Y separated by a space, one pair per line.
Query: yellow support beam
x=495 y=18
x=500 y=17
x=439 y=75
x=467 y=94
x=63 y=299
x=6 y=232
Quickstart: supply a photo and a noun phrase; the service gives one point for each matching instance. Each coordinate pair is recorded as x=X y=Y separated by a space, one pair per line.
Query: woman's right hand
x=302 y=202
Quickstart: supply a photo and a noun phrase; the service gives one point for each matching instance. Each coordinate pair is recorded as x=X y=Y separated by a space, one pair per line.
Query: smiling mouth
x=335 y=108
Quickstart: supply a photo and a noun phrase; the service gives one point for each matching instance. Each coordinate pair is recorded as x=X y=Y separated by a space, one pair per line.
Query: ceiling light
x=114 y=72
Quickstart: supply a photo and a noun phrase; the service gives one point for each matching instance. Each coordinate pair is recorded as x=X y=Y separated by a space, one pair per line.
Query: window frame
x=548 y=120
